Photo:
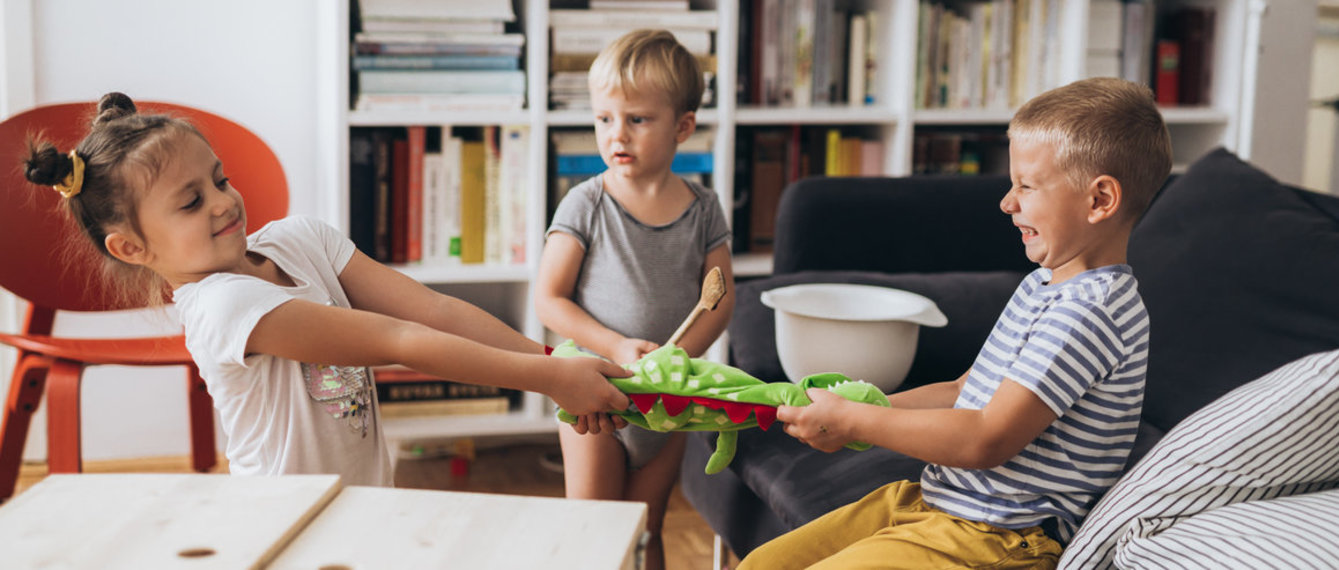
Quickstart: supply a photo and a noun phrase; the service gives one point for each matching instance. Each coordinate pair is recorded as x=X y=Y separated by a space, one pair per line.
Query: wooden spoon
x=713 y=289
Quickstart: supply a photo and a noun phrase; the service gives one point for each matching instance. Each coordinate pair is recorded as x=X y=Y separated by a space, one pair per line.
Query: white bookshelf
x=893 y=119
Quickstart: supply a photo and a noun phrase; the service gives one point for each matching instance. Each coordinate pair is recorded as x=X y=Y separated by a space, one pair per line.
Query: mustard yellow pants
x=893 y=528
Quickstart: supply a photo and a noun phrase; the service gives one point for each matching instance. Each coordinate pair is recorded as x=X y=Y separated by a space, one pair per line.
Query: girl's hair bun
x=113 y=106
x=45 y=165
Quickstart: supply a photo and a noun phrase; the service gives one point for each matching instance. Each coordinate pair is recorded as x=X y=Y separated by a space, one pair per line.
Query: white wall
x=1321 y=152
x=252 y=61
x=1287 y=28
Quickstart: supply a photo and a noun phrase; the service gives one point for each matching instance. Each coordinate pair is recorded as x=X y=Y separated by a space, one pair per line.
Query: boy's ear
x=127 y=248
x=686 y=127
x=1106 y=195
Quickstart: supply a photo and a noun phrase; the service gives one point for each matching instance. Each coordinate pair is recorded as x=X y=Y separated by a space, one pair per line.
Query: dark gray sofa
x=1238 y=273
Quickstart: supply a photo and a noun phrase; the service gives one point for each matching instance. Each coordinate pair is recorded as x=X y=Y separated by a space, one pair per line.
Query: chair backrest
x=33 y=259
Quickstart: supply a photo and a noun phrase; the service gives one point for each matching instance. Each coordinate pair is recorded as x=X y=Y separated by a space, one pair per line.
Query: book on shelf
x=1137 y=41
x=493 y=196
x=960 y=152
x=632 y=20
x=513 y=181
x=1193 y=28
x=442 y=81
x=433 y=26
x=436 y=61
x=497 y=10
x=399 y=201
x=994 y=54
x=1167 y=78
x=362 y=190
x=513 y=40
x=592 y=40
x=439 y=102
x=591 y=164
x=806 y=53
x=580 y=63
x=446 y=407
x=416 y=142
x=473 y=185
x=666 y=6
x=504 y=48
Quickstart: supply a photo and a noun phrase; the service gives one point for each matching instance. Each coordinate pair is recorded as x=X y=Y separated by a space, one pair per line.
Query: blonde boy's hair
x=644 y=61
x=1102 y=125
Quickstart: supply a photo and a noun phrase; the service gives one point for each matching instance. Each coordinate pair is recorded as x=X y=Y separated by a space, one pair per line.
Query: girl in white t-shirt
x=282 y=324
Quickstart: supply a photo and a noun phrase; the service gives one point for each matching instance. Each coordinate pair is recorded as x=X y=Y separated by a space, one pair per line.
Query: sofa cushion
x=1300 y=531
x=1273 y=437
x=971 y=301
x=1238 y=274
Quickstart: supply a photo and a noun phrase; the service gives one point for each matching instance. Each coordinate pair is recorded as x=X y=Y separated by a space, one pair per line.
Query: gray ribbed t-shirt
x=636 y=279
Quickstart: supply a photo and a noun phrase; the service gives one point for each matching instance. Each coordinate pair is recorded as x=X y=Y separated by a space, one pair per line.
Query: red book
x=1168 y=73
x=418 y=136
x=400 y=201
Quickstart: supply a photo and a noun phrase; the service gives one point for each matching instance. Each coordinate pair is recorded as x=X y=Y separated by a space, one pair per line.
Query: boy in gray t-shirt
x=625 y=258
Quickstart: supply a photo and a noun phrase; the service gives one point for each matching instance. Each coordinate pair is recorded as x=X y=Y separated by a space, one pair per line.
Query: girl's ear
x=127 y=248
x=686 y=127
x=1107 y=195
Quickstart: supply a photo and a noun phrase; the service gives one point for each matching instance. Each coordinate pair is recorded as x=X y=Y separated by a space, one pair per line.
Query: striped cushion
x=1301 y=531
x=1276 y=436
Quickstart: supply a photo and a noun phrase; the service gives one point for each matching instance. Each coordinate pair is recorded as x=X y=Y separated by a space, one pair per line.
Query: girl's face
x=638 y=132
x=192 y=220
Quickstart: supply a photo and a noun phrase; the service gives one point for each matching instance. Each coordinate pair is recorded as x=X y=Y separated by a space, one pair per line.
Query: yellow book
x=832 y=162
x=473 y=186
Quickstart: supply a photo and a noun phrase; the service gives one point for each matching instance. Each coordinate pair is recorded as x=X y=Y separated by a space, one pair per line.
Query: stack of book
x=577 y=158
x=443 y=56
x=960 y=152
x=769 y=159
x=402 y=392
x=804 y=53
x=439 y=196
x=579 y=35
x=992 y=54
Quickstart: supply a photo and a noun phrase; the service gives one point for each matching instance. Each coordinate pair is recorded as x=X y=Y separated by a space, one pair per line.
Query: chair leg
x=63 y=437
x=203 y=453
x=25 y=393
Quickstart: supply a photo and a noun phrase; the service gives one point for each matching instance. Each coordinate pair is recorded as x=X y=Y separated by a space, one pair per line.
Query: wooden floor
x=511 y=469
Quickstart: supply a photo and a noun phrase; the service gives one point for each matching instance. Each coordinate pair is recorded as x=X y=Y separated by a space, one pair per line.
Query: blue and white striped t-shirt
x=1082 y=347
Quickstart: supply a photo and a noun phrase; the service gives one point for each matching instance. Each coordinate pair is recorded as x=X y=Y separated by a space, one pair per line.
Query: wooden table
x=304 y=521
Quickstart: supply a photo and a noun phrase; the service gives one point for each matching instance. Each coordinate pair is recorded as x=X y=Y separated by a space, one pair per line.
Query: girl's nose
x=221 y=203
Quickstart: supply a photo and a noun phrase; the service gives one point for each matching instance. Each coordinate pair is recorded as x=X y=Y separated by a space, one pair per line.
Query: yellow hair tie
x=74 y=181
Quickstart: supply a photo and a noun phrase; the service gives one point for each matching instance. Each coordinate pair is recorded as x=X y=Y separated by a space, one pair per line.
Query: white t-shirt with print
x=282 y=416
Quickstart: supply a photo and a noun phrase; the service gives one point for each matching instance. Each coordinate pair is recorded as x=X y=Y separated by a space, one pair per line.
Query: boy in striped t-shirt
x=1025 y=442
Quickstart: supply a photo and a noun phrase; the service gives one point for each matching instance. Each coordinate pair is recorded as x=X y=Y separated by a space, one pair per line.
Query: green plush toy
x=672 y=392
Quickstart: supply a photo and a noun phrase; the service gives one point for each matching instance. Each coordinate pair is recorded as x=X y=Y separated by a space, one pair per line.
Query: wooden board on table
x=368 y=527
x=158 y=520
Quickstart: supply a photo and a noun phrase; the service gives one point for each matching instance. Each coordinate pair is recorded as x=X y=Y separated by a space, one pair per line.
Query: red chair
x=34 y=266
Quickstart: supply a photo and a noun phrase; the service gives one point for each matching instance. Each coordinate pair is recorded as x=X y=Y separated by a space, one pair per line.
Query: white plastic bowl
x=865 y=332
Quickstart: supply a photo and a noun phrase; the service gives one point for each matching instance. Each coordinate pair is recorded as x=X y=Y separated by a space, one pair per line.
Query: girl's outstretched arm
x=374 y=287
x=310 y=332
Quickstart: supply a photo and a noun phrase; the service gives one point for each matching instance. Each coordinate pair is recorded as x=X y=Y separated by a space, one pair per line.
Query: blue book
x=592 y=164
x=493 y=62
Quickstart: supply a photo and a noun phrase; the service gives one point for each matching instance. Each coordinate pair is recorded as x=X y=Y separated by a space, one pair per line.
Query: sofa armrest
x=922 y=224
